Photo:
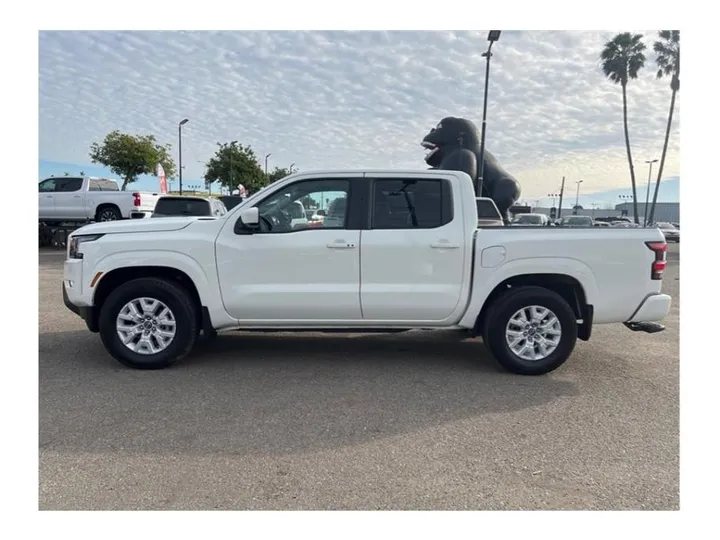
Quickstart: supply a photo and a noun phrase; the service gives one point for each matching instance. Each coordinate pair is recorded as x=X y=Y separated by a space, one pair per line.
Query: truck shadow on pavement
x=270 y=394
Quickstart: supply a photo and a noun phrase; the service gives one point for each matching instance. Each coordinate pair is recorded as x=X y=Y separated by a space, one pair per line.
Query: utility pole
x=647 y=195
x=562 y=191
x=180 y=166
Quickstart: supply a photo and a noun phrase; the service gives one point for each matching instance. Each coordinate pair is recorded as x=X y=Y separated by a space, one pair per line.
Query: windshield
x=529 y=219
x=578 y=220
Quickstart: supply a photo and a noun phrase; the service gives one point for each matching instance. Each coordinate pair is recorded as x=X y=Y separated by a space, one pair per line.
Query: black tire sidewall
x=172 y=296
x=114 y=211
x=506 y=306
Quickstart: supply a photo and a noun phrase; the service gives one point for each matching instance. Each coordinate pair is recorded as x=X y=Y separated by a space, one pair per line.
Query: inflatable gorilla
x=455 y=145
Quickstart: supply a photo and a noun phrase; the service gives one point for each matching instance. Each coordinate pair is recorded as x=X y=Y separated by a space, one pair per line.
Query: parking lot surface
x=323 y=421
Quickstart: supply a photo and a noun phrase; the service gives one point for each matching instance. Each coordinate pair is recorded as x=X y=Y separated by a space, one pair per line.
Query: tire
x=503 y=311
x=108 y=213
x=182 y=310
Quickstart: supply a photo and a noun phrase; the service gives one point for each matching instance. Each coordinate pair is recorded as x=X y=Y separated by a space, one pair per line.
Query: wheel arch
x=103 y=206
x=568 y=287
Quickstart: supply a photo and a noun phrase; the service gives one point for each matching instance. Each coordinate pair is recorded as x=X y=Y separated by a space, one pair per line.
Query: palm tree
x=668 y=61
x=622 y=58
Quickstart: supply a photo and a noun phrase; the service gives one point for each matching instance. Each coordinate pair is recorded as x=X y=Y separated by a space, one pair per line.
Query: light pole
x=232 y=175
x=207 y=185
x=492 y=37
x=647 y=196
x=577 y=196
x=291 y=167
x=180 y=125
x=266 y=160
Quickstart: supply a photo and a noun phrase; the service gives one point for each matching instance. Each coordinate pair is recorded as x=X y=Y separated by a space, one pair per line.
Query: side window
x=102 y=185
x=48 y=186
x=411 y=204
x=69 y=184
x=284 y=210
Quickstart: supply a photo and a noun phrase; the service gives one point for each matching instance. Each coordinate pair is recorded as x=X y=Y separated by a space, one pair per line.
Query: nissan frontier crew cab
x=404 y=253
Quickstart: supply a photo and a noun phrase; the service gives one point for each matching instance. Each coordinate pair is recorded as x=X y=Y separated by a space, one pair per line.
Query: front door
x=414 y=255
x=46 y=206
x=69 y=201
x=293 y=271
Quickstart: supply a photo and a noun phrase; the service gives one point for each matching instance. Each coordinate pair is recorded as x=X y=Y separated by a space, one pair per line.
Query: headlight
x=77 y=241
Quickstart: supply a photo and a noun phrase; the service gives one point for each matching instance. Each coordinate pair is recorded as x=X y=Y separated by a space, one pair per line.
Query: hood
x=137 y=225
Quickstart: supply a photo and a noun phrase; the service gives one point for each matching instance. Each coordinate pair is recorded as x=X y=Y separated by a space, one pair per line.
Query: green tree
x=622 y=58
x=235 y=164
x=67 y=174
x=668 y=61
x=129 y=156
x=279 y=173
x=82 y=173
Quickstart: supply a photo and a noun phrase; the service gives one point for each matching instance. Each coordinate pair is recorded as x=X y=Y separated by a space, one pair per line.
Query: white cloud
x=356 y=99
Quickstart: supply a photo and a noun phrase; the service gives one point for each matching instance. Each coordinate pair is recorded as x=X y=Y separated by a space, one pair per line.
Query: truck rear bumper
x=654 y=308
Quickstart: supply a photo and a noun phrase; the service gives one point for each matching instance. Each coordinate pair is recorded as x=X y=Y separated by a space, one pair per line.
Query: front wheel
x=148 y=323
x=530 y=330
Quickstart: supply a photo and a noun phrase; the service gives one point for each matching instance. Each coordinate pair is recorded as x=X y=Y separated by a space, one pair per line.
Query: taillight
x=658 y=265
x=136 y=199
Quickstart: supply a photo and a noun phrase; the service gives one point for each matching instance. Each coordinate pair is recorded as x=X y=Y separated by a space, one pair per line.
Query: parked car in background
x=488 y=213
x=601 y=224
x=85 y=198
x=531 y=220
x=670 y=232
x=182 y=205
x=577 y=221
x=231 y=201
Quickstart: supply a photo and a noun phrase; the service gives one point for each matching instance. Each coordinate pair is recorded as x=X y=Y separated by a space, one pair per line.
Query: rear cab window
x=177 y=206
x=96 y=184
x=411 y=203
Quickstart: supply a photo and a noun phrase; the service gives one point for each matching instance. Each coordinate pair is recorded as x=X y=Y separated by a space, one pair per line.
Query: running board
x=648 y=327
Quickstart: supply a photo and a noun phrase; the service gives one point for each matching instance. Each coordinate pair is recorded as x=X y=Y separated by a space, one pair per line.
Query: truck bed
x=606 y=259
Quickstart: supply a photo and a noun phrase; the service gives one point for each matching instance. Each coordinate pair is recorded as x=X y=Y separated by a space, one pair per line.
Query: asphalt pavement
x=415 y=421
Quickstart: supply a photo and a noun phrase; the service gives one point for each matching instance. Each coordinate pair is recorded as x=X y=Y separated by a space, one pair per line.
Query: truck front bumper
x=86 y=313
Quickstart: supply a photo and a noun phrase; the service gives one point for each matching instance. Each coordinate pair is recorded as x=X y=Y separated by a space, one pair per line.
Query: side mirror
x=248 y=221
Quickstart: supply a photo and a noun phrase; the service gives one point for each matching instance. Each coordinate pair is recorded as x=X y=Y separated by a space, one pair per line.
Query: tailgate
x=147 y=202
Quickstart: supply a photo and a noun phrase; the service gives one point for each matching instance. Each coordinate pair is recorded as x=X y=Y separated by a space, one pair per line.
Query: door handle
x=77 y=196
x=444 y=244
x=340 y=244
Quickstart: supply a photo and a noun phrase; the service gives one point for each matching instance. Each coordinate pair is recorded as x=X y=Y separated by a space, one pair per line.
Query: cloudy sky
x=356 y=99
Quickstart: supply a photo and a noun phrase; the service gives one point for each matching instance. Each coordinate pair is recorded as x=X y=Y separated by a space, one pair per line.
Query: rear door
x=413 y=255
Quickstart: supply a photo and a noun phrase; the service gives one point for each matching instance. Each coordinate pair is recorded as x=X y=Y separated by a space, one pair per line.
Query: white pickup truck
x=83 y=198
x=408 y=255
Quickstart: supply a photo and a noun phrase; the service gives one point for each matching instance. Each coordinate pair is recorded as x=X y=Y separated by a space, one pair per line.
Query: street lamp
x=266 y=159
x=291 y=167
x=577 y=195
x=180 y=168
x=492 y=37
x=232 y=175
x=647 y=196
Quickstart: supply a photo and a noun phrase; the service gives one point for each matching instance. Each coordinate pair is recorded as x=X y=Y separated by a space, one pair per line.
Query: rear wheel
x=148 y=323
x=108 y=213
x=530 y=330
